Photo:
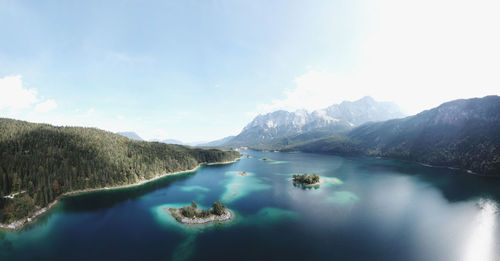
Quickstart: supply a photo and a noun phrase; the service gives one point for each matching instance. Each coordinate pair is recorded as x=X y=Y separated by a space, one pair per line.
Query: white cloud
x=418 y=54
x=46 y=106
x=16 y=98
x=19 y=102
x=12 y=94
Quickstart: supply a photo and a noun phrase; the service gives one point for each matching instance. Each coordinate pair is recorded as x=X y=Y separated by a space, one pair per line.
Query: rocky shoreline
x=20 y=223
x=308 y=185
x=199 y=220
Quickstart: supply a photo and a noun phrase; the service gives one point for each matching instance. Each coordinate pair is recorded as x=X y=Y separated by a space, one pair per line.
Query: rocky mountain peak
x=335 y=118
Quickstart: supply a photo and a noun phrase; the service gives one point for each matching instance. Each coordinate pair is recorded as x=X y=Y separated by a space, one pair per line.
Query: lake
x=365 y=209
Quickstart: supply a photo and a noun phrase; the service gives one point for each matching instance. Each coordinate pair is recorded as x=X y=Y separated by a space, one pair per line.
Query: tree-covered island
x=306 y=179
x=193 y=215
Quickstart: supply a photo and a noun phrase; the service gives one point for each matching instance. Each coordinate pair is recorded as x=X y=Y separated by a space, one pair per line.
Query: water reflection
x=366 y=209
x=106 y=199
x=481 y=242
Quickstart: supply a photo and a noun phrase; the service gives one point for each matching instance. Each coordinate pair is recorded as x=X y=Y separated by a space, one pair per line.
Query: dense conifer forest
x=43 y=162
x=305 y=178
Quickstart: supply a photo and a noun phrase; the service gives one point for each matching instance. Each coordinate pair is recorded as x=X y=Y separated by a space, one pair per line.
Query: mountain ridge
x=267 y=128
x=462 y=133
x=130 y=134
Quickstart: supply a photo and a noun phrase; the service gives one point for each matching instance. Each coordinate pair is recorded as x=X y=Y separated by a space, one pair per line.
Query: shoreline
x=142 y=182
x=19 y=224
x=466 y=171
x=308 y=185
x=199 y=221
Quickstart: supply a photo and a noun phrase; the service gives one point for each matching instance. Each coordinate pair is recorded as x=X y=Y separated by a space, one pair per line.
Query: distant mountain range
x=265 y=131
x=219 y=142
x=178 y=142
x=134 y=136
x=170 y=141
x=461 y=133
x=130 y=135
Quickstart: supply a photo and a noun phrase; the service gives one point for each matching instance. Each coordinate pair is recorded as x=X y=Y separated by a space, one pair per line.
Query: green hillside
x=461 y=133
x=47 y=161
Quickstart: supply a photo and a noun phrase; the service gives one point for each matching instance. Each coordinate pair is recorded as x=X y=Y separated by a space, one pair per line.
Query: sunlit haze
x=201 y=70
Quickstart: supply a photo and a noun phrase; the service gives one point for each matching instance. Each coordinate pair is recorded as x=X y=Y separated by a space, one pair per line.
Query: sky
x=201 y=70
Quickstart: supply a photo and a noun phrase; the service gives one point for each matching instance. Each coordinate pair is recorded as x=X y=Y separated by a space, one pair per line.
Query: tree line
x=47 y=161
x=305 y=178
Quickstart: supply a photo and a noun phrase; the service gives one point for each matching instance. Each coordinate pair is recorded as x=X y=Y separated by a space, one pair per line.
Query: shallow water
x=365 y=208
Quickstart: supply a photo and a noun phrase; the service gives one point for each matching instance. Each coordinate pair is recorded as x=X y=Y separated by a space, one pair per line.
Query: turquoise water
x=364 y=209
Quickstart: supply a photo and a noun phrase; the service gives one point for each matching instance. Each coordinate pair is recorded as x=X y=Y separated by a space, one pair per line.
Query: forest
x=305 y=178
x=193 y=210
x=43 y=162
x=462 y=134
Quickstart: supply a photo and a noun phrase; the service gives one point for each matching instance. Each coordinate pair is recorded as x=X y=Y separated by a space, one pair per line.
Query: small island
x=266 y=159
x=193 y=215
x=306 y=179
x=243 y=173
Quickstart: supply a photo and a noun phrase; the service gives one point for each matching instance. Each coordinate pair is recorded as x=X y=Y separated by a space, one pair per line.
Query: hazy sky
x=201 y=70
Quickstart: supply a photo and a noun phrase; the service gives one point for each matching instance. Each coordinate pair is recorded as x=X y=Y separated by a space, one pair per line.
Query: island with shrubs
x=306 y=179
x=193 y=215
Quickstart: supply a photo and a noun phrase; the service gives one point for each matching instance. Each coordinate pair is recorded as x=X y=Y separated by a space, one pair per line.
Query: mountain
x=130 y=135
x=269 y=128
x=462 y=133
x=178 y=142
x=216 y=143
x=169 y=141
x=44 y=162
x=172 y=141
x=195 y=143
x=363 y=110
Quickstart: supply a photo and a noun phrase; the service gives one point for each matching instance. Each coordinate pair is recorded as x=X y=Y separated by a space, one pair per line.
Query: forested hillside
x=461 y=133
x=47 y=161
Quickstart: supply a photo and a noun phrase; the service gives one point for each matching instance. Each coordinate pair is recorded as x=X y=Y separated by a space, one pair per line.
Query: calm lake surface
x=365 y=209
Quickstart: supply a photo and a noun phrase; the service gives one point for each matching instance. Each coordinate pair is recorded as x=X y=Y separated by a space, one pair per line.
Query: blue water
x=365 y=209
